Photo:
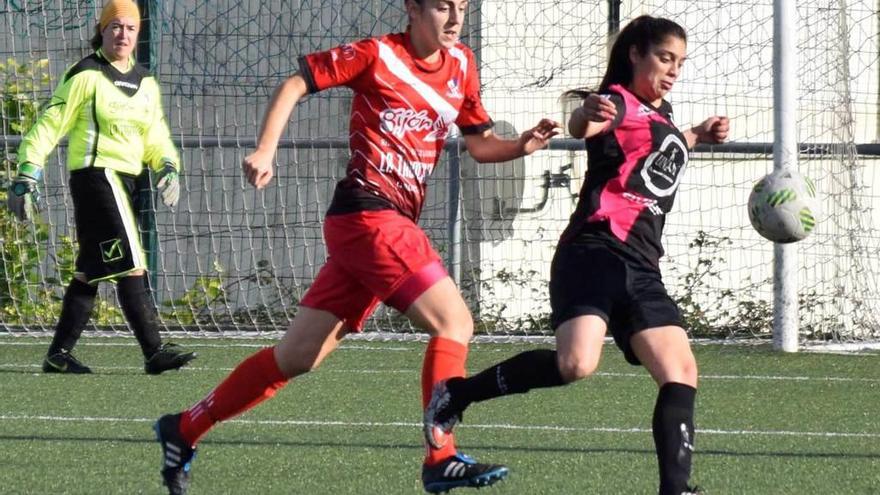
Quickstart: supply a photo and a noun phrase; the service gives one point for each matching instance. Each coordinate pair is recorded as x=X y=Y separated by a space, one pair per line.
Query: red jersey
x=401 y=114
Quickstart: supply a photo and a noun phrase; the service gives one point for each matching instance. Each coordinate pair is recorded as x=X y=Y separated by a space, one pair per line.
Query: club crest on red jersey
x=453 y=89
x=346 y=51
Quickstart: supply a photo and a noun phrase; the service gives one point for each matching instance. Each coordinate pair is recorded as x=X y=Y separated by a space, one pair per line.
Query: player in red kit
x=410 y=89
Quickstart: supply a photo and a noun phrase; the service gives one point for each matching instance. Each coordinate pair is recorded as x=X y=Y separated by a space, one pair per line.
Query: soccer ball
x=783 y=206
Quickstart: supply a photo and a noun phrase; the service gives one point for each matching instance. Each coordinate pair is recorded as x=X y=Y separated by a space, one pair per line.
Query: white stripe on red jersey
x=402 y=112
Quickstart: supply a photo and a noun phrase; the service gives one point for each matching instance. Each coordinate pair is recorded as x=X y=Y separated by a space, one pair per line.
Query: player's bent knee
x=689 y=369
x=460 y=333
x=463 y=328
x=574 y=369
x=293 y=362
x=690 y=373
x=684 y=371
x=293 y=369
x=448 y=324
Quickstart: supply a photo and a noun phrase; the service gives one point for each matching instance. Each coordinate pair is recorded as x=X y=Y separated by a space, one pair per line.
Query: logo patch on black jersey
x=662 y=169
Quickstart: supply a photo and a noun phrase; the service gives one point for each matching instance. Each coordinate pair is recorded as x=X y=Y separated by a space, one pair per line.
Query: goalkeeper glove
x=24 y=193
x=169 y=185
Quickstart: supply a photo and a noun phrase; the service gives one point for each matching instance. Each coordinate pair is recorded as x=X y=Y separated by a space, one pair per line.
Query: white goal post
x=785 y=157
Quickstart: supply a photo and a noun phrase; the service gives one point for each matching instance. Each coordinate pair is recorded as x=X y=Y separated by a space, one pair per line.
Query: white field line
x=382 y=337
x=843 y=379
x=372 y=342
x=228 y=345
x=269 y=337
x=38 y=366
x=385 y=341
x=408 y=425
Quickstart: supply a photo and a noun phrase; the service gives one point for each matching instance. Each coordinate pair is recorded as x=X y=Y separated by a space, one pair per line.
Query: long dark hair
x=98 y=39
x=643 y=32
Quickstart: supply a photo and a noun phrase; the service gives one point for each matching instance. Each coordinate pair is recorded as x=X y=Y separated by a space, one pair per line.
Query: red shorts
x=372 y=256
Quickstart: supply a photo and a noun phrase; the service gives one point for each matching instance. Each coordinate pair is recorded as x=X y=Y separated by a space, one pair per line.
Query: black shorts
x=593 y=279
x=106 y=227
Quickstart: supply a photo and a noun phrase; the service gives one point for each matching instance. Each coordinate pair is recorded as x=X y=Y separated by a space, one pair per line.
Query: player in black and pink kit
x=410 y=89
x=605 y=273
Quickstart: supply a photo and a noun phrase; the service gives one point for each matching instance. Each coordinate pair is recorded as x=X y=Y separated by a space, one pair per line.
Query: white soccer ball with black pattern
x=783 y=206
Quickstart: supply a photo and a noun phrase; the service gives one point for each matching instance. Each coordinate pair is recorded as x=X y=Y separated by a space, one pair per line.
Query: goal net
x=234 y=261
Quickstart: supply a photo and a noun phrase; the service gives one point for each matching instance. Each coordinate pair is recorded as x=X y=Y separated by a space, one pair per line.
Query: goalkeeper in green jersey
x=110 y=109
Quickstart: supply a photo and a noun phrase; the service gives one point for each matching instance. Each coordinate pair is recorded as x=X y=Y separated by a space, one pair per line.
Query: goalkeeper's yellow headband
x=119 y=8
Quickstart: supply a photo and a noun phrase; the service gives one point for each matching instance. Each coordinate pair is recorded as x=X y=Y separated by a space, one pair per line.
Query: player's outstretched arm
x=591 y=118
x=488 y=147
x=257 y=166
x=713 y=130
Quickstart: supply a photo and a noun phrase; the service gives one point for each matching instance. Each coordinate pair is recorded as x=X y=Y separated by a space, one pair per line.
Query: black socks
x=673 y=427
x=137 y=305
x=76 y=309
x=517 y=375
x=673 y=422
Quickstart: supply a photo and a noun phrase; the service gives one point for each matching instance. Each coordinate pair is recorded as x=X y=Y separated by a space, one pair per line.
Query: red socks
x=256 y=379
x=444 y=358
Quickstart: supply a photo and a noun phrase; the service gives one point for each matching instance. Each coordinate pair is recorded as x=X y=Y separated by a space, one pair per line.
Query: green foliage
x=106 y=313
x=725 y=313
x=491 y=319
x=21 y=85
x=31 y=286
x=827 y=326
x=197 y=303
x=25 y=296
x=711 y=312
x=207 y=300
x=695 y=297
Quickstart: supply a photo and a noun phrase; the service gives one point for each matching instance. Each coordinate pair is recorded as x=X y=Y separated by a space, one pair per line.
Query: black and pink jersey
x=633 y=172
x=401 y=114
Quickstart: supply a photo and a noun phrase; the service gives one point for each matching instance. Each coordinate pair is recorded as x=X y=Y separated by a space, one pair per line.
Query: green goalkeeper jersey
x=114 y=120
